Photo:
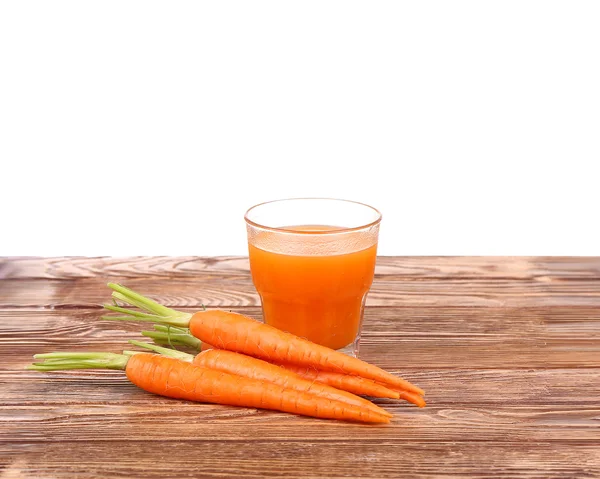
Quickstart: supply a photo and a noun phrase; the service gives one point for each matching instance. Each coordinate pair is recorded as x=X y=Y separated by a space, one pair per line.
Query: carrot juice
x=313 y=277
x=319 y=298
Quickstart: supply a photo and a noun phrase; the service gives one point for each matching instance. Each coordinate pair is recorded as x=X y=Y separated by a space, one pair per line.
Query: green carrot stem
x=129 y=301
x=61 y=361
x=158 y=313
x=164 y=351
x=172 y=329
x=131 y=353
x=143 y=302
x=168 y=321
x=178 y=339
x=131 y=312
x=120 y=318
x=181 y=336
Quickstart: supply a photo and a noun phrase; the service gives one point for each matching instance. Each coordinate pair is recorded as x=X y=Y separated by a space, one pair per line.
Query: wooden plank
x=488 y=267
x=284 y=459
x=480 y=387
x=126 y=267
x=89 y=292
x=172 y=420
x=446 y=267
x=230 y=291
x=393 y=338
x=403 y=322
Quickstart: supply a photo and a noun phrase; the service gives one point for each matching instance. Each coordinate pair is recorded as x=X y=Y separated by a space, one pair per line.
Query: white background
x=150 y=127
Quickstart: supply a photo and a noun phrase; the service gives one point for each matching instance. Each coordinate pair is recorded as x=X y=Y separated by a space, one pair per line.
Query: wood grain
x=237 y=290
x=508 y=350
x=413 y=267
x=479 y=337
x=268 y=458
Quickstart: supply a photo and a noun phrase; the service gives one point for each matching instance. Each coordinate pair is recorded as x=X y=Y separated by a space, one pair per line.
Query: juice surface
x=318 y=297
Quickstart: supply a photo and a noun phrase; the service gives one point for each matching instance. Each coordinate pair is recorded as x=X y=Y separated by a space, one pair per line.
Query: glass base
x=352 y=349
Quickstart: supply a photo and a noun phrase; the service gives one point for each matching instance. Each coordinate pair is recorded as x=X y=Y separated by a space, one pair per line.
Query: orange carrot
x=408 y=396
x=239 y=333
x=412 y=398
x=353 y=384
x=235 y=332
x=345 y=382
x=179 y=379
x=249 y=367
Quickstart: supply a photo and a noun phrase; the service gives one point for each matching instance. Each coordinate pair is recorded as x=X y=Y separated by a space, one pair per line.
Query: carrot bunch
x=180 y=337
x=217 y=329
x=242 y=362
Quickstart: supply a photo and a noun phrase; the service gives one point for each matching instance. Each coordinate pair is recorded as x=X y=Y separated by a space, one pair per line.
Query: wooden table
x=508 y=350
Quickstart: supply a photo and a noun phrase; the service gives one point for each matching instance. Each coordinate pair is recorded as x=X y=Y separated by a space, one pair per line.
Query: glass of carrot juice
x=312 y=262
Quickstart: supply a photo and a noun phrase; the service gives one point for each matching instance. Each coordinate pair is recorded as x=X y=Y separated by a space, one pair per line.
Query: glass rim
x=304 y=232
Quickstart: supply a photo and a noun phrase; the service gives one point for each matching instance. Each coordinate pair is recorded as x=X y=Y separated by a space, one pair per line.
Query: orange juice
x=316 y=296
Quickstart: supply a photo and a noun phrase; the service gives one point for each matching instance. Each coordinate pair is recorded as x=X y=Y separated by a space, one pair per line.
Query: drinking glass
x=312 y=262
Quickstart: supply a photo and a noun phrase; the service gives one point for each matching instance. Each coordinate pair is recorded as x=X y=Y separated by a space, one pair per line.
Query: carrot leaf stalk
x=58 y=361
x=164 y=351
x=173 y=337
x=155 y=312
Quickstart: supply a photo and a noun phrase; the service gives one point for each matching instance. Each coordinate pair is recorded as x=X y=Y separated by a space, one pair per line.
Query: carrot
x=235 y=332
x=354 y=384
x=408 y=396
x=345 y=382
x=182 y=380
x=239 y=333
x=412 y=398
x=249 y=367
